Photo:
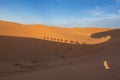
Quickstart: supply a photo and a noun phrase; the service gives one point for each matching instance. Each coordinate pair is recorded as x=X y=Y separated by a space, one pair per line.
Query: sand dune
x=81 y=35
x=91 y=70
x=26 y=55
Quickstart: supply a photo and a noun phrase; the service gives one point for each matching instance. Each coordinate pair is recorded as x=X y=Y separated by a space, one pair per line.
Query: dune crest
x=65 y=35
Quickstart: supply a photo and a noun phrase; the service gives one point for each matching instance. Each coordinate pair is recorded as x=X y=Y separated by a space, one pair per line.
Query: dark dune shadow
x=115 y=33
x=111 y=46
x=114 y=40
x=18 y=48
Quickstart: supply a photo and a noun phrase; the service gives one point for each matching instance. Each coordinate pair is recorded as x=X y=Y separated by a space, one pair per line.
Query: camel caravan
x=62 y=40
x=72 y=41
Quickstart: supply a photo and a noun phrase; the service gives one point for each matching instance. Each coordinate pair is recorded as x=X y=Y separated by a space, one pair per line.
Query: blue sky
x=66 y=13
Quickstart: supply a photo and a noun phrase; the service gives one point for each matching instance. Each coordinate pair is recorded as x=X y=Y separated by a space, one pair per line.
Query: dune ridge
x=66 y=35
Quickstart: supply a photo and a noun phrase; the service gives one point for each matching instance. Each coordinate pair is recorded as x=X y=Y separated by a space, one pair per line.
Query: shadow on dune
x=19 y=48
x=110 y=47
x=115 y=33
x=114 y=41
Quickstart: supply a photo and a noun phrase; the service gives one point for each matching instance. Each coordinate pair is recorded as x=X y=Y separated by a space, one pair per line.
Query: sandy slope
x=90 y=70
x=27 y=57
x=81 y=35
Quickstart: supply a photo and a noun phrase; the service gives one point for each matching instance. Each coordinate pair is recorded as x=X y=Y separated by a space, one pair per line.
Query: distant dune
x=69 y=35
x=42 y=52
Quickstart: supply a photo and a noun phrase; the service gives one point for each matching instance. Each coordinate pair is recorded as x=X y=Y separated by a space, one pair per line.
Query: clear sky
x=69 y=13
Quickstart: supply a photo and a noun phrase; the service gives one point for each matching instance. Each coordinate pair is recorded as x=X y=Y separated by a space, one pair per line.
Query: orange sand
x=29 y=52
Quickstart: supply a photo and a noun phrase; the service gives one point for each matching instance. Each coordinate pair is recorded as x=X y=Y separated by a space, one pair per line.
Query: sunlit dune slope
x=68 y=35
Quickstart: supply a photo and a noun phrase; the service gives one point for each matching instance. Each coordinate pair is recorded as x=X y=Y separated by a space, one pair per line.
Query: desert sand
x=40 y=52
x=69 y=35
